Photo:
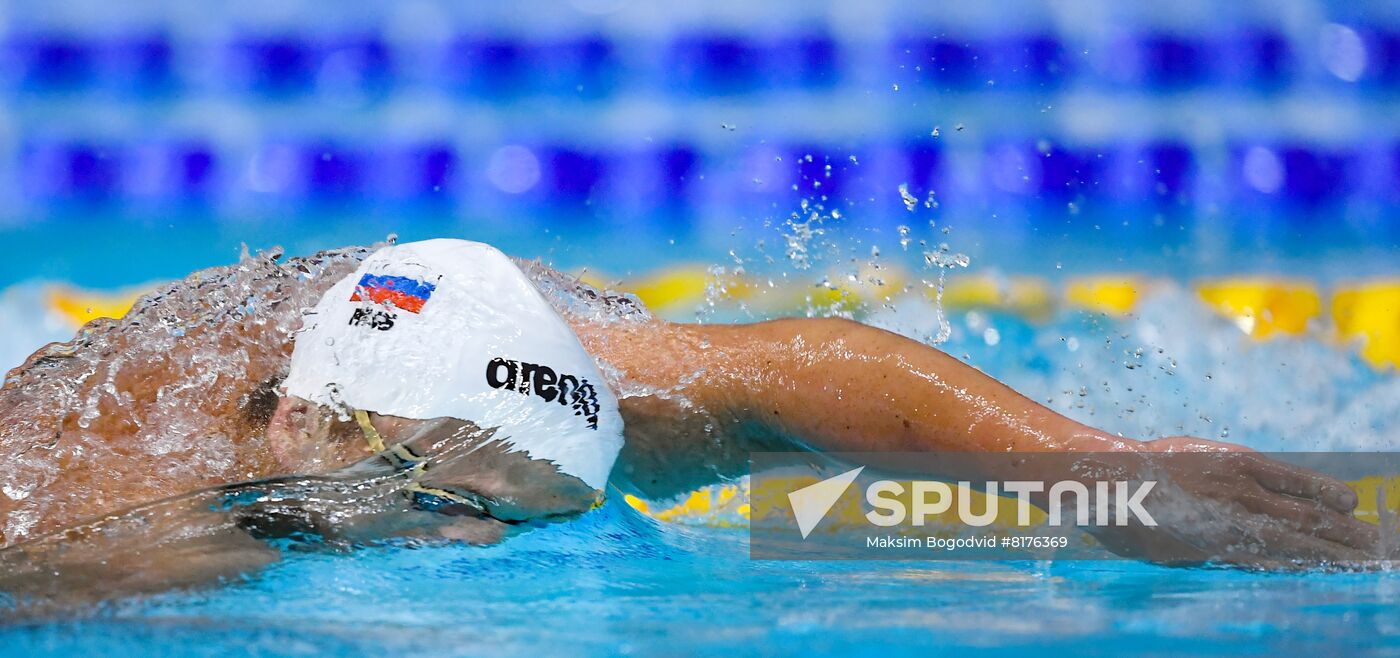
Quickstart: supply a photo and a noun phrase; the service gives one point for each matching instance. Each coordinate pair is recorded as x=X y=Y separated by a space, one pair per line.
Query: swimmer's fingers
x=1284 y=478
x=1310 y=519
x=1276 y=546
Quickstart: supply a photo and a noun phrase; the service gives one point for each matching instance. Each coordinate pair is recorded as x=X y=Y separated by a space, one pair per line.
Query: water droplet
x=909 y=201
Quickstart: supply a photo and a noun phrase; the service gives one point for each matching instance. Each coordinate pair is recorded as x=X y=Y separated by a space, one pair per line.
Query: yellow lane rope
x=1365 y=314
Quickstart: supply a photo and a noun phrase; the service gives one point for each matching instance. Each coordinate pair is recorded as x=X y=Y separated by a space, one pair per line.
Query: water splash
x=163 y=398
x=573 y=298
x=943 y=259
x=911 y=202
x=803 y=228
x=1193 y=373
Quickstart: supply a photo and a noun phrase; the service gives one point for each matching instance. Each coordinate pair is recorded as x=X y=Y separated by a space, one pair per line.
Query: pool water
x=619 y=582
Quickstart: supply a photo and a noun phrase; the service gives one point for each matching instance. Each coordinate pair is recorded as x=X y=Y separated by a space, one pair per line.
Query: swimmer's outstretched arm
x=697 y=398
x=842 y=385
x=835 y=384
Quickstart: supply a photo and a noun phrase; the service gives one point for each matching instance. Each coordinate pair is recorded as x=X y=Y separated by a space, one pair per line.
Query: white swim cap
x=453 y=328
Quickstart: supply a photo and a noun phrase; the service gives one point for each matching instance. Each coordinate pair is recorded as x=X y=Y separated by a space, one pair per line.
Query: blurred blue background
x=140 y=140
x=1076 y=151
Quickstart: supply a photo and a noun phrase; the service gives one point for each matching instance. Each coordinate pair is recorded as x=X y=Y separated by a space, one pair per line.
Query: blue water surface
x=618 y=583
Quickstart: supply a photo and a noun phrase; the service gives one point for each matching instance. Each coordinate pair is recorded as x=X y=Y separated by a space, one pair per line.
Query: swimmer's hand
x=1220 y=503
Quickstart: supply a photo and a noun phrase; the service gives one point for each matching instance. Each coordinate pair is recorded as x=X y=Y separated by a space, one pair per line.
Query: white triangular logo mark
x=811 y=503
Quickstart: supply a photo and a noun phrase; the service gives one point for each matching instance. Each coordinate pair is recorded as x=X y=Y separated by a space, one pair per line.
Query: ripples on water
x=616 y=580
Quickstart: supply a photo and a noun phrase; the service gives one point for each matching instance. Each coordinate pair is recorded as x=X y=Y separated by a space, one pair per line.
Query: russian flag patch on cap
x=397 y=291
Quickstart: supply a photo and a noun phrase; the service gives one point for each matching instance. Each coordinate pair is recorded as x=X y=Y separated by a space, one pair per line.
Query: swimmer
x=441 y=391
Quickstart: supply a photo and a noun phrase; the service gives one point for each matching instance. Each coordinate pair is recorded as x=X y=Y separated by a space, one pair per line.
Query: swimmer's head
x=305 y=437
x=470 y=472
x=452 y=329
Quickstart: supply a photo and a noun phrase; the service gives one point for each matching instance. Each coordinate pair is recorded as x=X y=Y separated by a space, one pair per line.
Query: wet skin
x=695 y=400
x=837 y=385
